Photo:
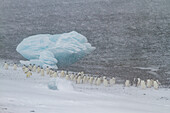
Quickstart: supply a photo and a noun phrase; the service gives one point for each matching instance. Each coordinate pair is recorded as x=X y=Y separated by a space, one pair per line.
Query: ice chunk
x=57 y=50
x=52 y=85
x=60 y=84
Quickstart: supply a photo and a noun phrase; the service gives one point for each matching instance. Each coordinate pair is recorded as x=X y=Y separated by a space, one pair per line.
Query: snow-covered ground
x=19 y=94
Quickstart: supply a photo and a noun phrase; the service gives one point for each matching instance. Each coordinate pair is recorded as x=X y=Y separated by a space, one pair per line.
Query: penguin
x=6 y=65
x=72 y=77
x=28 y=74
x=15 y=66
x=30 y=67
x=131 y=82
x=38 y=69
x=51 y=72
x=127 y=83
x=143 y=85
x=158 y=82
x=98 y=82
x=47 y=70
x=42 y=72
x=84 y=79
x=155 y=85
x=112 y=81
x=104 y=77
x=148 y=83
x=82 y=73
x=135 y=82
x=152 y=81
x=62 y=74
x=79 y=74
x=55 y=74
x=105 y=82
x=82 y=76
x=139 y=82
x=75 y=78
x=88 y=78
x=79 y=80
x=67 y=77
x=23 y=67
x=26 y=70
x=91 y=80
x=67 y=72
x=95 y=80
x=34 y=68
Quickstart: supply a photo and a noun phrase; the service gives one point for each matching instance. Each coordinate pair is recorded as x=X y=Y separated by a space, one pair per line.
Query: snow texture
x=55 y=51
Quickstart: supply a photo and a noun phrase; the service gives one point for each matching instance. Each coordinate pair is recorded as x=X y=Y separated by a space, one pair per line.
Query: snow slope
x=19 y=94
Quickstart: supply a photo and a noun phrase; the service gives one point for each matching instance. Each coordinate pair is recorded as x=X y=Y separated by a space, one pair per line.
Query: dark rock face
x=126 y=33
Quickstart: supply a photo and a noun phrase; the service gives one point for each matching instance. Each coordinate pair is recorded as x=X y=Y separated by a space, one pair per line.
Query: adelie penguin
x=91 y=80
x=26 y=70
x=67 y=77
x=15 y=66
x=34 y=68
x=84 y=79
x=47 y=70
x=6 y=65
x=139 y=82
x=30 y=67
x=38 y=69
x=135 y=82
x=105 y=82
x=156 y=84
x=143 y=85
x=42 y=72
x=95 y=80
x=51 y=72
x=28 y=74
x=112 y=81
x=148 y=83
x=75 y=78
x=62 y=74
x=72 y=76
x=79 y=80
x=127 y=83
x=98 y=81
x=23 y=67
x=55 y=74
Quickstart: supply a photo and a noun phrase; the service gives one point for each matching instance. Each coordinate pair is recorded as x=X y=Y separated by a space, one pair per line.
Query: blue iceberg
x=55 y=51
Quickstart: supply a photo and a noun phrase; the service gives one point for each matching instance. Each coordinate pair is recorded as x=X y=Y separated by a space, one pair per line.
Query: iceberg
x=55 y=51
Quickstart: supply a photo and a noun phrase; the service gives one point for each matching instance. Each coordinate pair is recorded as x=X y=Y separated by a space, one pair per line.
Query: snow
x=19 y=94
x=54 y=50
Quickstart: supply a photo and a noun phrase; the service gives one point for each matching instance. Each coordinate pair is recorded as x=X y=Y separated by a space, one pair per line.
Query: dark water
x=126 y=33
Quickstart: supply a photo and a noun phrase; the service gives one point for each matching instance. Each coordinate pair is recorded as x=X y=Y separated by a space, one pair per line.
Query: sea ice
x=55 y=51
